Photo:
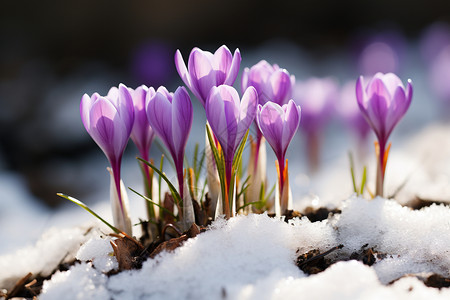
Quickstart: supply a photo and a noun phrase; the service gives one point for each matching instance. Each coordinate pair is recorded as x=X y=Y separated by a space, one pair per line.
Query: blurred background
x=52 y=52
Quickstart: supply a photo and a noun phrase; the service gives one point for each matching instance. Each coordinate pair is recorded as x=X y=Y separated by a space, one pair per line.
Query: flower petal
x=234 y=69
x=85 y=107
x=159 y=114
x=107 y=129
x=222 y=63
x=280 y=85
x=181 y=120
x=181 y=69
x=201 y=73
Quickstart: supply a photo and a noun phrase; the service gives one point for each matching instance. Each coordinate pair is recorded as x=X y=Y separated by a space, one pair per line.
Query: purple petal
x=85 y=107
x=163 y=90
x=391 y=81
x=281 y=88
x=270 y=122
x=159 y=114
x=248 y=107
x=181 y=69
x=125 y=107
x=291 y=122
x=107 y=129
x=142 y=133
x=244 y=80
x=234 y=69
x=215 y=115
x=222 y=63
x=181 y=120
x=201 y=72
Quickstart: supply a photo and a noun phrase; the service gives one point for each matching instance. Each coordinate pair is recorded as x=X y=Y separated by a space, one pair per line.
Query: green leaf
x=220 y=161
x=172 y=189
x=154 y=203
x=244 y=187
x=238 y=155
x=271 y=191
x=200 y=166
x=352 y=171
x=247 y=204
x=194 y=161
x=363 y=182
x=160 y=178
x=82 y=205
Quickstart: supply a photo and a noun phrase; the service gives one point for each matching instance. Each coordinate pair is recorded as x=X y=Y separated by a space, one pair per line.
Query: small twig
x=18 y=286
x=320 y=255
x=163 y=233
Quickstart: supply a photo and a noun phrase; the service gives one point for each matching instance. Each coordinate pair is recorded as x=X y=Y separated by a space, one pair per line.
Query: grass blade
x=352 y=171
x=84 y=206
x=172 y=189
x=363 y=181
x=238 y=155
x=153 y=202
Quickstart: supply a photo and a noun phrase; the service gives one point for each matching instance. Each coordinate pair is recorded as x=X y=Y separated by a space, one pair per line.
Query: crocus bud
x=230 y=119
x=142 y=133
x=316 y=96
x=109 y=121
x=383 y=102
x=170 y=115
x=206 y=70
x=279 y=124
x=272 y=84
x=270 y=81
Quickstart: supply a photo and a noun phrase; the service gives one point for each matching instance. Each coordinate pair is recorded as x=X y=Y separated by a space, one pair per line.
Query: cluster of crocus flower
x=204 y=71
x=139 y=113
x=266 y=100
x=275 y=85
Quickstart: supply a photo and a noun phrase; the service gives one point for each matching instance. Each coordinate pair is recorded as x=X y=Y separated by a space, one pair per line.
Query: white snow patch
x=100 y=252
x=56 y=246
x=80 y=282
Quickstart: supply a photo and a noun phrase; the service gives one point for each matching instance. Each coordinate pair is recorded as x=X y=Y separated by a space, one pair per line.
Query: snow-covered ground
x=253 y=257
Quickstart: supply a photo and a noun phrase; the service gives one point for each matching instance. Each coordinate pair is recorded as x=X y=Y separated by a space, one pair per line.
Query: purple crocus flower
x=170 y=115
x=230 y=118
x=434 y=39
x=272 y=84
x=317 y=97
x=380 y=52
x=109 y=121
x=206 y=70
x=439 y=73
x=278 y=125
x=270 y=81
x=142 y=133
x=383 y=102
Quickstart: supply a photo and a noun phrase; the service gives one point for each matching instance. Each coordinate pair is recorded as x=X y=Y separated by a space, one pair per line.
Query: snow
x=253 y=257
